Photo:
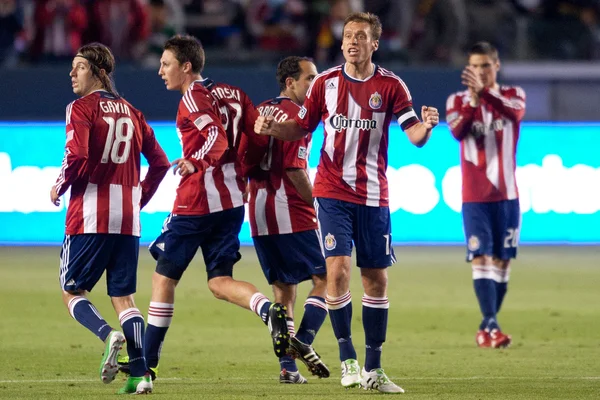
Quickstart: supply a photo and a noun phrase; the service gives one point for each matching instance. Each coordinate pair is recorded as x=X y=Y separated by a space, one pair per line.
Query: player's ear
x=375 y=45
x=289 y=82
x=187 y=67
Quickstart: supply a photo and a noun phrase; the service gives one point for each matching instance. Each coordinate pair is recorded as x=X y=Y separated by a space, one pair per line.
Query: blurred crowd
x=414 y=31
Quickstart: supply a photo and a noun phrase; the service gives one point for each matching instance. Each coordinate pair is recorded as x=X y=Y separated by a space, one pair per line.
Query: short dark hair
x=187 y=48
x=100 y=58
x=484 y=48
x=289 y=67
x=370 y=19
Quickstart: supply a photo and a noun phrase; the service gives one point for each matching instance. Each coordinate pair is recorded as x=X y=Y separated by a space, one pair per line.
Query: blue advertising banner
x=558 y=177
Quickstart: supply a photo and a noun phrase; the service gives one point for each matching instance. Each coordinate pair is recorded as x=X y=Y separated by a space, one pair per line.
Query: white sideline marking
x=418 y=378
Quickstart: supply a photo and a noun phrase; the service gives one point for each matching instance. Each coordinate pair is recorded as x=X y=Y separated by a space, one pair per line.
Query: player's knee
x=502 y=264
x=319 y=283
x=168 y=269
x=482 y=260
x=217 y=286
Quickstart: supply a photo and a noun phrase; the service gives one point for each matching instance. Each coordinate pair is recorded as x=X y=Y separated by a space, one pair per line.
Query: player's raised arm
x=76 y=149
x=157 y=161
x=512 y=107
x=288 y=130
x=459 y=115
x=419 y=132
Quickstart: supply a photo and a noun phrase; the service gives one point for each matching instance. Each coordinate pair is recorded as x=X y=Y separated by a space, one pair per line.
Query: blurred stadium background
x=549 y=47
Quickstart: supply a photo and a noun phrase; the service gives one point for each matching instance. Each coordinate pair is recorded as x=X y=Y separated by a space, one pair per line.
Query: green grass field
x=215 y=350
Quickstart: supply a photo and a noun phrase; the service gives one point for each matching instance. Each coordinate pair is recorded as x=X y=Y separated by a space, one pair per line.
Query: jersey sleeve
x=403 y=106
x=511 y=104
x=211 y=143
x=76 y=147
x=459 y=115
x=311 y=111
x=157 y=161
x=295 y=154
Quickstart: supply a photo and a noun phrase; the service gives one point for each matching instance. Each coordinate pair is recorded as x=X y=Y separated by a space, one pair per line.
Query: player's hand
x=183 y=166
x=471 y=79
x=263 y=125
x=54 y=197
x=430 y=116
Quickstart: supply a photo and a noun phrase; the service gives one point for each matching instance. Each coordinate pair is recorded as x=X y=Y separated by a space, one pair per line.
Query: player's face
x=358 y=44
x=83 y=81
x=486 y=67
x=300 y=87
x=171 y=71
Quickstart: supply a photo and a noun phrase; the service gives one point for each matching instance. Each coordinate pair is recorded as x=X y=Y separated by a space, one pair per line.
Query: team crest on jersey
x=330 y=242
x=302 y=153
x=473 y=243
x=302 y=112
x=375 y=101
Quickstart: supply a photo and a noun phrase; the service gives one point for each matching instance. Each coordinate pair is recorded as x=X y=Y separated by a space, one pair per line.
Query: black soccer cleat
x=276 y=321
x=309 y=357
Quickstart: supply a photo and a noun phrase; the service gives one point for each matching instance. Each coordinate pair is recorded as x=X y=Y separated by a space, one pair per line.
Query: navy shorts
x=492 y=229
x=84 y=258
x=291 y=258
x=216 y=234
x=341 y=223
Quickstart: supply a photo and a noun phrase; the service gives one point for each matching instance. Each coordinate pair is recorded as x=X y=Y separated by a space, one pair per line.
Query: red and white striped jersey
x=105 y=137
x=204 y=143
x=356 y=115
x=237 y=116
x=276 y=207
x=488 y=136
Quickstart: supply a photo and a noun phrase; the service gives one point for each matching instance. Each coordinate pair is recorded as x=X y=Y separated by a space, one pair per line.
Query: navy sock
x=132 y=323
x=160 y=316
x=375 y=316
x=87 y=315
x=485 y=289
x=288 y=363
x=501 y=277
x=315 y=312
x=340 y=313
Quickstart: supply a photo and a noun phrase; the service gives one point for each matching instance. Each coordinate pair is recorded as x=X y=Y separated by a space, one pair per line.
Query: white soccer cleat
x=350 y=373
x=108 y=365
x=378 y=380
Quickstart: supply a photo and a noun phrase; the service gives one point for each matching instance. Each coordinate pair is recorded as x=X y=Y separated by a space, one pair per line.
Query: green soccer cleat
x=137 y=385
x=350 y=373
x=108 y=365
x=378 y=380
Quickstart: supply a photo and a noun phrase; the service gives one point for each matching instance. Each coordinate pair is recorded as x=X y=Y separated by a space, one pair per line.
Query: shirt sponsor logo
x=340 y=122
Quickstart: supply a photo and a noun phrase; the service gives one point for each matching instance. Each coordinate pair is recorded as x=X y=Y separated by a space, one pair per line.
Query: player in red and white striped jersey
x=208 y=211
x=486 y=119
x=356 y=102
x=284 y=223
x=106 y=137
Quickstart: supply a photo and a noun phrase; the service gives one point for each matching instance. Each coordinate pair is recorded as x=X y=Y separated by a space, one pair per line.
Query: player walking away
x=208 y=210
x=284 y=224
x=356 y=102
x=101 y=166
x=486 y=118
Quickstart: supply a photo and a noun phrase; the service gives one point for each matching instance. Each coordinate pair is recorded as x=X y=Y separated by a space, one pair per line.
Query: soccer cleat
x=309 y=357
x=278 y=328
x=483 y=339
x=137 y=385
x=123 y=362
x=350 y=373
x=291 y=377
x=499 y=339
x=108 y=366
x=378 y=380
